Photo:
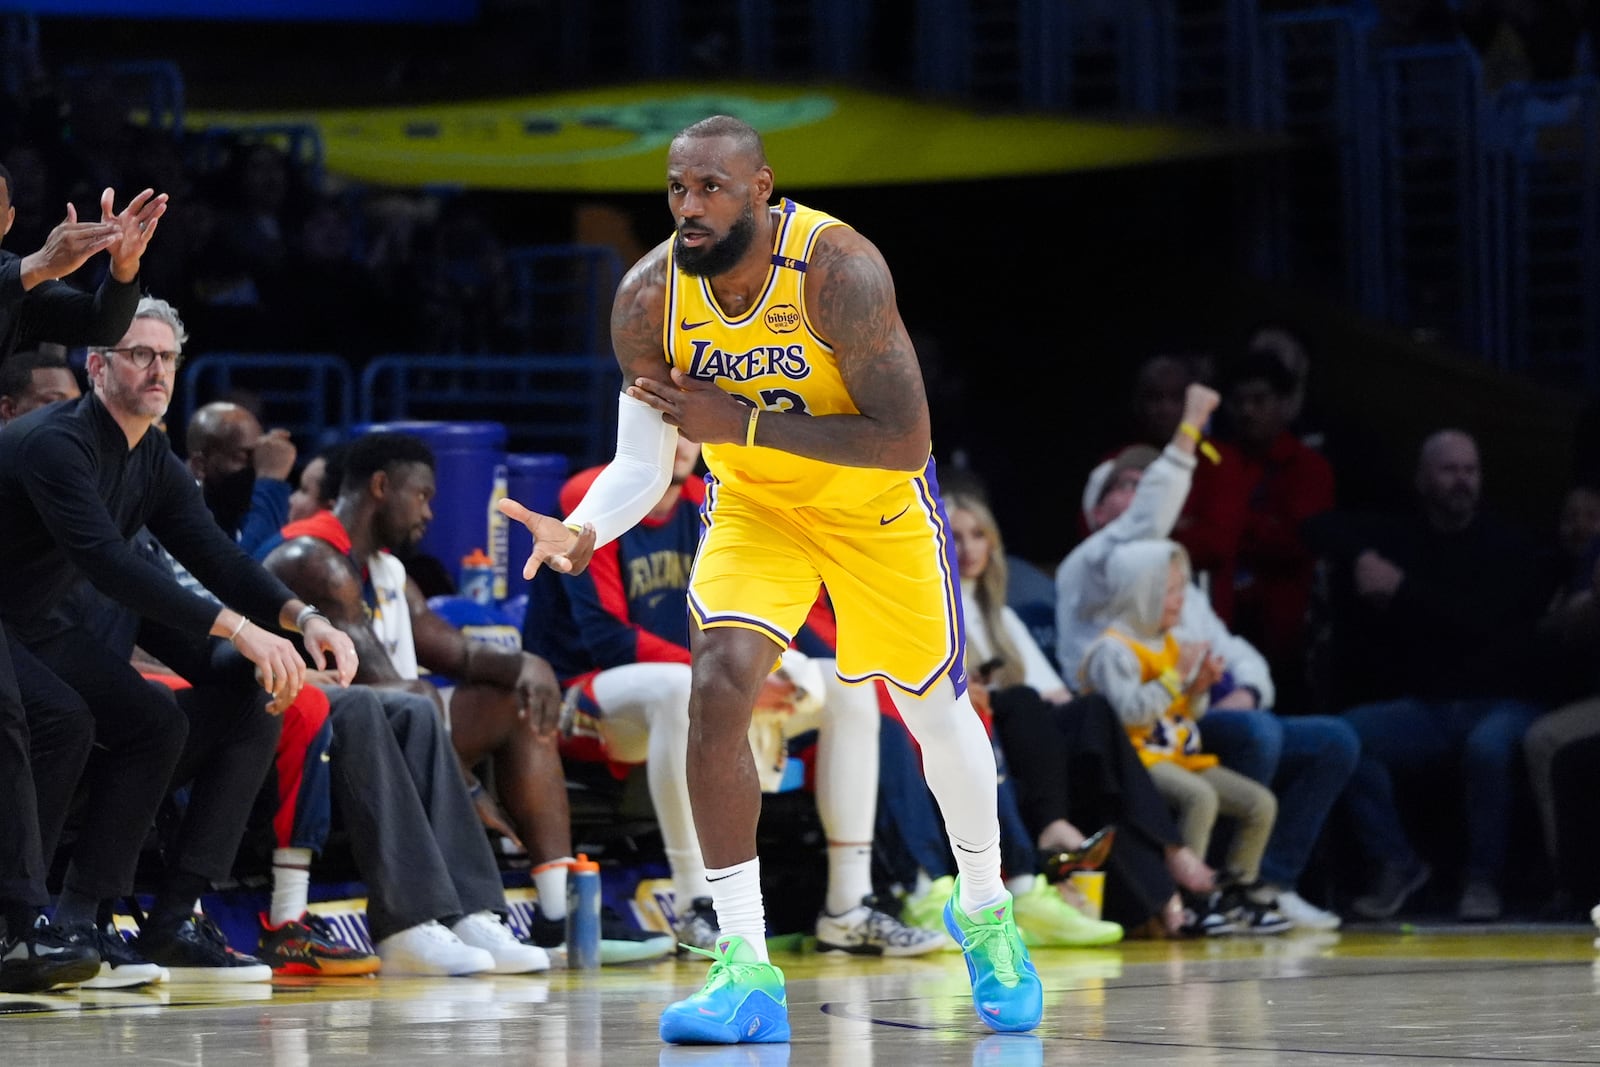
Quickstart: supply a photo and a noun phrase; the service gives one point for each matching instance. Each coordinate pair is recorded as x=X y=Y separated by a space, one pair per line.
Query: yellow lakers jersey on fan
x=771 y=357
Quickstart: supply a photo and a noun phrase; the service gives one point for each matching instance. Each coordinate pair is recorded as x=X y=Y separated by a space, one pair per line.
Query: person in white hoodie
x=1160 y=688
x=1306 y=759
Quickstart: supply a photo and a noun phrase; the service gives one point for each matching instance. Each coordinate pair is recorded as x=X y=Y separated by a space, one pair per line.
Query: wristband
x=1204 y=447
x=237 y=630
x=575 y=527
x=750 y=428
x=307 y=613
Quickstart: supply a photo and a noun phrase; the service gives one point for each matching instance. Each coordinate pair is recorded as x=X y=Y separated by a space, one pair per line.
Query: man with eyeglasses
x=77 y=482
x=36 y=759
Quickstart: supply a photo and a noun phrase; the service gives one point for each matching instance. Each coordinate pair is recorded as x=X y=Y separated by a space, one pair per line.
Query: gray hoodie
x=1137 y=575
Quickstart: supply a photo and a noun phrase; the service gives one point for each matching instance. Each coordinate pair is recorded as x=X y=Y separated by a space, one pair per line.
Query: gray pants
x=1199 y=797
x=414 y=833
x=1548 y=735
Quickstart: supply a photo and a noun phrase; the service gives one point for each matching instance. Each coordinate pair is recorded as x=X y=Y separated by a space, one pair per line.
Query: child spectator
x=1159 y=687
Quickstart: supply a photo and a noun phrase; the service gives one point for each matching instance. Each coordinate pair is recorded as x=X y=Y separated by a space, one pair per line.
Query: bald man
x=243 y=471
x=1444 y=604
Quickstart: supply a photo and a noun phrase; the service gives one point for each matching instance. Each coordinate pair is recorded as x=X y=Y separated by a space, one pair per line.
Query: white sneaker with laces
x=484 y=930
x=867 y=931
x=1305 y=914
x=430 y=949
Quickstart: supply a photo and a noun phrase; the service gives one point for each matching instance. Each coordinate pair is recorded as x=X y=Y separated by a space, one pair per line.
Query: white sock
x=980 y=873
x=688 y=877
x=291 y=884
x=849 y=876
x=550 y=882
x=736 y=893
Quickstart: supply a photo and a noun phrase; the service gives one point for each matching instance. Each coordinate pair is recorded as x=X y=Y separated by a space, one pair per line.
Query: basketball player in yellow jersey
x=769 y=333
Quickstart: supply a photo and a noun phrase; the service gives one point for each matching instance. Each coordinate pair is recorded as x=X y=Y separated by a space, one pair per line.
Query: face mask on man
x=228 y=497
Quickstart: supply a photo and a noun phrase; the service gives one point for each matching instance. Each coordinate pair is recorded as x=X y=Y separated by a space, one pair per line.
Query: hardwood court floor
x=1437 y=996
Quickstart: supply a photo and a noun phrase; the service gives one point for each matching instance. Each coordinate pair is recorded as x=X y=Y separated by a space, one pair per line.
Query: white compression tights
x=645 y=717
x=959 y=766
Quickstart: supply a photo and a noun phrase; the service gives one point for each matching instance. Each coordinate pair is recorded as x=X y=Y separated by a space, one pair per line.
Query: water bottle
x=583 y=914
x=477 y=577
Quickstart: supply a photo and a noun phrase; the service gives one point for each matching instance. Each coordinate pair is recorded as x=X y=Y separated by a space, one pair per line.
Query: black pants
x=139 y=734
x=46 y=733
x=414 y=833
x=229 y=748
x=1074 y=761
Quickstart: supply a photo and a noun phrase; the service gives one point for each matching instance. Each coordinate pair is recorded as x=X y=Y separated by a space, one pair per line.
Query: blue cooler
x=535 y=482
x=470 y=461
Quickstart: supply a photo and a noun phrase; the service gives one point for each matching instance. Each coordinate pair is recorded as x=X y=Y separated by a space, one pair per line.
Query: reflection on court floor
x=1514 y=995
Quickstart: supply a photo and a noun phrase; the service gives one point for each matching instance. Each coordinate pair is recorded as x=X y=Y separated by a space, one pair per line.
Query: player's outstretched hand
x=554 y=542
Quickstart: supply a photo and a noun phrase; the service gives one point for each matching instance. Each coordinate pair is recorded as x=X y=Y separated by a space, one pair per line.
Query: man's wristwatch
x=308 y=613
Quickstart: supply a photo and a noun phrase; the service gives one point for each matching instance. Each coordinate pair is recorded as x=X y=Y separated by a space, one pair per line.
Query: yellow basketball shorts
x=889 y=567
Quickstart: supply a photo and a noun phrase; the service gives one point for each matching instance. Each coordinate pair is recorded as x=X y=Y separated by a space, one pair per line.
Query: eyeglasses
x=142 y=356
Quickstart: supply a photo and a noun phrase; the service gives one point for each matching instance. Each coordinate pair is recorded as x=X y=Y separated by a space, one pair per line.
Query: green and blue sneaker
x=1005 y=988
x=742 y=1001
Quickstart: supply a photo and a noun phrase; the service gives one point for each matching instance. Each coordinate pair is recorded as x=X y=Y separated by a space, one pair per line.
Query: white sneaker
x=1305 y=914
x=430 y=949
x=484 y=930
x=865 y=930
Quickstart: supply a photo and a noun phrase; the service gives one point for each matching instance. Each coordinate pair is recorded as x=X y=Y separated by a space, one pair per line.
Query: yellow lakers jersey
x=772 y=358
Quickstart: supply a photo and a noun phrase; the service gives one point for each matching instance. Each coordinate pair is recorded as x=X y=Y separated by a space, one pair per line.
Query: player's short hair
x=383 y=451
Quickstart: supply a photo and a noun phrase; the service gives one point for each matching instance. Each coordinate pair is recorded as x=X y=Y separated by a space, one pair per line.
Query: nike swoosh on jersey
x=685 y=325
x=896 y=515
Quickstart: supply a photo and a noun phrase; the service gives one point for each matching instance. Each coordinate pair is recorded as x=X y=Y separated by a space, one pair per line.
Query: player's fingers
x=516 y=512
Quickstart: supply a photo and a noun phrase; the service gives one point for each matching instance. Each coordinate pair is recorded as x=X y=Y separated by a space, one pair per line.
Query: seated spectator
x=436 y=904
x=243 y=472
x=1305 y=759
x=1286 y=483
x=78 y=480
x=1438 y=612
x=618 y=636
x=30 y=380
x=1067 y=757
x=45 y=729
x=1569 y=632
x=505 y=706
x=315 y=490
x=1160 y=689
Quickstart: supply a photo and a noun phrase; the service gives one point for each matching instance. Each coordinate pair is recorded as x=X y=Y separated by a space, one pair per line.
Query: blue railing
x=310 y=395
x=548 y=403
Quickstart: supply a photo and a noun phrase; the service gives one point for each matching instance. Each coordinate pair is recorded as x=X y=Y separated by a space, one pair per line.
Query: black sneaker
x=696 y=926
x=311 y=946
x=1393 y=887
x=197 y=951
x=620 y=942
x=44 y=957
x=1254 y=910
x=120 y=966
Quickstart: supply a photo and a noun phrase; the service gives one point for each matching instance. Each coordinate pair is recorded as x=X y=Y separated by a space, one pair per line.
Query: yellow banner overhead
x=615 y=139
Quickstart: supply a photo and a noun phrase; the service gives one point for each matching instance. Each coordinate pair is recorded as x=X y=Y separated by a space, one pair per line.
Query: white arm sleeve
x=633 y=482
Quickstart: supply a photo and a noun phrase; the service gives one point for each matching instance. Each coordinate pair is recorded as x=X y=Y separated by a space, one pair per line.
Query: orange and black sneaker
x=310 y=946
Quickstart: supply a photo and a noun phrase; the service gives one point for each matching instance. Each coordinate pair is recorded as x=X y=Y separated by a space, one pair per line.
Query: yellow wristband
x=750 y=428
x=1205 y=448
x=575 y=527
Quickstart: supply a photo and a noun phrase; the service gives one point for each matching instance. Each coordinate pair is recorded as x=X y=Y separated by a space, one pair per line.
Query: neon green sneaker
x=1006 y=990
x=743 y=1001
x=1047 y=921
x=926 y=909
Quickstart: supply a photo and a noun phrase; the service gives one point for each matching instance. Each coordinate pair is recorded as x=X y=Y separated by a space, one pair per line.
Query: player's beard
x=720 y=255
